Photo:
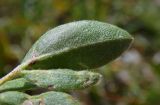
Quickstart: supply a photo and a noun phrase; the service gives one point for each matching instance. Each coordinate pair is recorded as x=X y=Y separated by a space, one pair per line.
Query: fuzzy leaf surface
x=48 y=98
x=61 y=79
x=57 y=80
x=13 y=98
x=52 y=98
x=19 y=84
x=78 y=45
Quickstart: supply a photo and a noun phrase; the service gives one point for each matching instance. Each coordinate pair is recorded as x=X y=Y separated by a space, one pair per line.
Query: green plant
x=55 y=62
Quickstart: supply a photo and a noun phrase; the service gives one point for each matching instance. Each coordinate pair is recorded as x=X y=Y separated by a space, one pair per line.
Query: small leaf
x=61 y=79
x=48 y=98
x=19 y=84
x=12 y=98
x=78 y=45
x=52 y=98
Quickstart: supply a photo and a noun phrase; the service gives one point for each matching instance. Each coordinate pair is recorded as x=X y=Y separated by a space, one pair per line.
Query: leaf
x=52 y=98
x=12 y=98
x=57 y=80
x=78 y=45
x=61 y=79
x=19 y=84
x=48 y=98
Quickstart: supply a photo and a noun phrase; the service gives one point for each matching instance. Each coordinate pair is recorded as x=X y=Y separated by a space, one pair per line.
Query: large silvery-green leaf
x=78 y=45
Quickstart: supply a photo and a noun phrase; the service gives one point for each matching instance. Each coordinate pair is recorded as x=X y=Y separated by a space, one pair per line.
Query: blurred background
x=132 y=79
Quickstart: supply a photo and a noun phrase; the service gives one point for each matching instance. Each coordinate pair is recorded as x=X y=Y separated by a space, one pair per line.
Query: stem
x=15 y=72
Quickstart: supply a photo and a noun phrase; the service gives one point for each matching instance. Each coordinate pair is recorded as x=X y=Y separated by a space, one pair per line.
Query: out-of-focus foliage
x=133 y=79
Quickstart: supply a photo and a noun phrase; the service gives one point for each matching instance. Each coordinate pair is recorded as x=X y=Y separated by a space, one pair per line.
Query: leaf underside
x=57 y=80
